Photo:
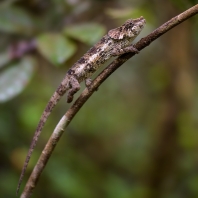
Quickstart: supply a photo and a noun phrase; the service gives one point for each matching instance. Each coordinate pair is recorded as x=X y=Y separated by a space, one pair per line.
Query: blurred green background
x=136 y=136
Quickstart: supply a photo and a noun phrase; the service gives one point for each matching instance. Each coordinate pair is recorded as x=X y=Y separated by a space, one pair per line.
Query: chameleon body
x=115 y=43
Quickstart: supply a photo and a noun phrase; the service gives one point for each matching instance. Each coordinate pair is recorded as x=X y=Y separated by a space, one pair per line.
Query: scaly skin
x=115 y=43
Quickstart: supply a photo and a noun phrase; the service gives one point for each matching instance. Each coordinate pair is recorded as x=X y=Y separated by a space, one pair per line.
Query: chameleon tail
x=51 y=104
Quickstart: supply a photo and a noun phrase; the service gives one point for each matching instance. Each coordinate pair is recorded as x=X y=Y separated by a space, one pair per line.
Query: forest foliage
x=136 y=136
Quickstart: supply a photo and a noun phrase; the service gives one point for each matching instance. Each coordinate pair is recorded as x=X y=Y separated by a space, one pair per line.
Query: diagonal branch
x=67 y=118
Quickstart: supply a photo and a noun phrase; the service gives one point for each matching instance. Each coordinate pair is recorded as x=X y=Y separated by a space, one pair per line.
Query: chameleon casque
x=115 y=43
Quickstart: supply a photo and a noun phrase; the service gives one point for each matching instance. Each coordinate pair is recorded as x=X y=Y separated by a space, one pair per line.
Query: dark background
x=136 y=136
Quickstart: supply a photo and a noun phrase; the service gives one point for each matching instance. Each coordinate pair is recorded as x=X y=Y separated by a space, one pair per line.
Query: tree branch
x=67 y=118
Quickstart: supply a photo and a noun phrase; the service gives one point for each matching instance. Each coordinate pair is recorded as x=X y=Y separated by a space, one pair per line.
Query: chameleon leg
x=120 y=51
x=75 y=86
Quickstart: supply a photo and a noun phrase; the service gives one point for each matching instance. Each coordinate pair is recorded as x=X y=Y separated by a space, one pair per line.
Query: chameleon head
x=130 y=29
x=134 y=26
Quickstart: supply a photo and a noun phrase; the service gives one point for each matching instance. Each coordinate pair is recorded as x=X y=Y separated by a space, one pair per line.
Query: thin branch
x=67 y=118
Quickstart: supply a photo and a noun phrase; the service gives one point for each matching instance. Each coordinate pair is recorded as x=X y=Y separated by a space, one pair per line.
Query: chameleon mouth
x=141 y=22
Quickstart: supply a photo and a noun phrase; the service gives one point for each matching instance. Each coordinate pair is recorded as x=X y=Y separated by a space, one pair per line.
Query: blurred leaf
x=4 y=59
x=187 y=131
x=68 y=182
x=15 y=20
x=119 y=13
x=192 y=183
x=159 y=77
x=116 y=187
x=34 y=112
x=55 y=47
x=88 y=33
x=14 y=79
x=18 y=155
x=126 y=13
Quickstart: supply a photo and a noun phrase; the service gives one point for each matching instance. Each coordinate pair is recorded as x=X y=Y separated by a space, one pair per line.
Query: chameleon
x=116 y=42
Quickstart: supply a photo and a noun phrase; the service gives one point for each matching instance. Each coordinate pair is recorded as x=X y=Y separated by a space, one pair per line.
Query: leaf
x=15 y=20
x=14 y=79
x=119 y=13
x=88 y=33
x=127 y=13
x=55 y=47
x=4 y=59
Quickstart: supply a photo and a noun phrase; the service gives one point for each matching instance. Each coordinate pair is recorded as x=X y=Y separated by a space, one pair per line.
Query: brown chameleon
x=115 y=43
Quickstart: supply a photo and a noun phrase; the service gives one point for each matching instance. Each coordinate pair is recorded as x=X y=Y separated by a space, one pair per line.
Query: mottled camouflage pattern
x=115 y=43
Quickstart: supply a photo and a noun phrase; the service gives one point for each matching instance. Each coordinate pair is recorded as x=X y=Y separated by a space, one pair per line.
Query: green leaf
x=15 y=20
x=14 y=79
x=55 y=47
x=88 y=33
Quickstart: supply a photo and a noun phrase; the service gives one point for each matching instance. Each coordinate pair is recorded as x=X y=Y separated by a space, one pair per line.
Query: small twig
x=67 y=118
